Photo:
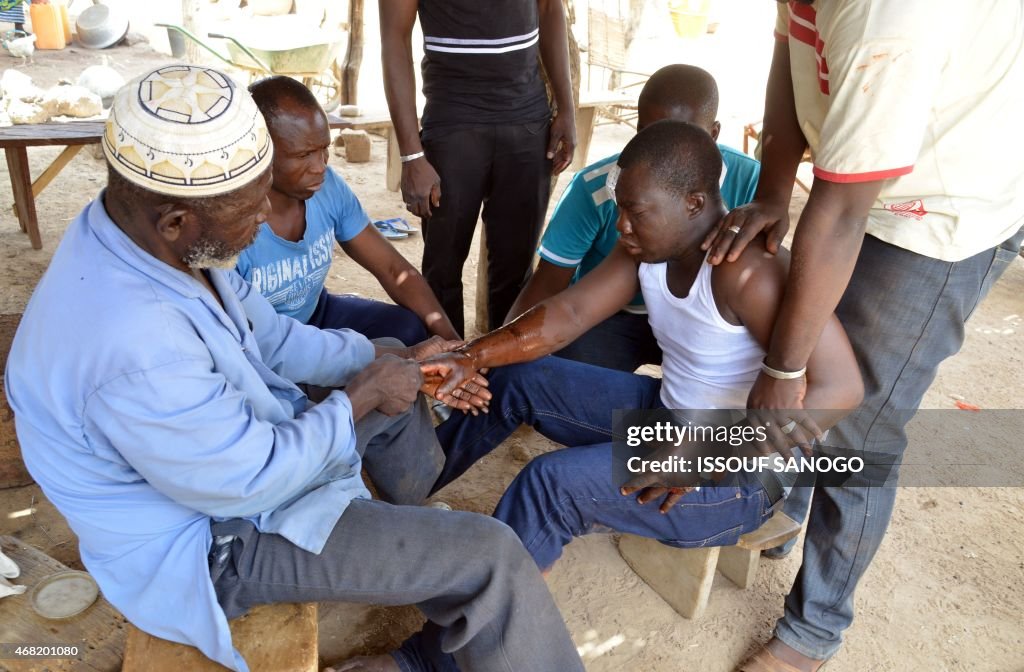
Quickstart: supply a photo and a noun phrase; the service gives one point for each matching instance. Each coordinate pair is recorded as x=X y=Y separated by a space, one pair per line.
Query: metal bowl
x=98 y=28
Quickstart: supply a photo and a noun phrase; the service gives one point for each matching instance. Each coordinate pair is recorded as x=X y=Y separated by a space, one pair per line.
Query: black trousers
x=505 y=170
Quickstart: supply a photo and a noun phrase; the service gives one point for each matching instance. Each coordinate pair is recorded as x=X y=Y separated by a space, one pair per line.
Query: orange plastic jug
x=47 y=26
x=65 y=22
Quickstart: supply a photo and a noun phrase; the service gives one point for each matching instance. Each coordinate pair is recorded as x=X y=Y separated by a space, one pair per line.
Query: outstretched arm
x=545 y=282
x=400 y=279
x=545 y=328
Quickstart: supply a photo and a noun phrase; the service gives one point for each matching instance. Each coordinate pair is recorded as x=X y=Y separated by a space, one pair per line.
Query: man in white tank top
x=712 y=323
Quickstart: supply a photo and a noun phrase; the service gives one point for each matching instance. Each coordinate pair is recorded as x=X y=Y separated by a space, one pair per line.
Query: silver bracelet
x=411 y=157
x=783 y=375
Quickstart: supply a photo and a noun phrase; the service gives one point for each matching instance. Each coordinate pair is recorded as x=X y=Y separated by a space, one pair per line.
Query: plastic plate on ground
x=64 y=594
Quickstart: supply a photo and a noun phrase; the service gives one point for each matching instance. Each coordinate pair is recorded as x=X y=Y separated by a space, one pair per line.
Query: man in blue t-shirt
x=311 y=208
x=582 y=230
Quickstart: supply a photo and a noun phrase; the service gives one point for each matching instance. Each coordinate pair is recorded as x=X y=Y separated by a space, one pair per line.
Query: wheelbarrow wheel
x=327 y=89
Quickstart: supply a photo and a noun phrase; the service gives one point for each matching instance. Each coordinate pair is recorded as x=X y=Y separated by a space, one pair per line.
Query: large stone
x=271 y=638
x=72 y=101
x=17 y=85
x=21 y=112
x=357 y=145
x=102 y=80
x=133 y=38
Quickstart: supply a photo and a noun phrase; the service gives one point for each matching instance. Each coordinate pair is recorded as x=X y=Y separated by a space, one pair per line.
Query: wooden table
x=73 y=135
x=17 y=139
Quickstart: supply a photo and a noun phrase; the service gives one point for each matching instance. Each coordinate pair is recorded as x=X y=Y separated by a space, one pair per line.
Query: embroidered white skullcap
x=186 y=130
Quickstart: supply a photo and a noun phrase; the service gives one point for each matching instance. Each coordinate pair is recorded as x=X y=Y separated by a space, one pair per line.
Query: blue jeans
x=569 y=493
x=568 y=402
x=623 y=342
x=373 y=319
x=904 y=314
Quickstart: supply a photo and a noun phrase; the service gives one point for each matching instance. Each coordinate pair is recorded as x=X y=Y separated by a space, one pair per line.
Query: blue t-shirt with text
x=292 y=274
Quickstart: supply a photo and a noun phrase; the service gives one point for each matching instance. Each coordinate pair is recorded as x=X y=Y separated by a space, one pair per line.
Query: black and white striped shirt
x=480 y=63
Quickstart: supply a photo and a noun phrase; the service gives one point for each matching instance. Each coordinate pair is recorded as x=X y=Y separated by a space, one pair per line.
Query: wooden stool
x=683 y=576
x=271 y=638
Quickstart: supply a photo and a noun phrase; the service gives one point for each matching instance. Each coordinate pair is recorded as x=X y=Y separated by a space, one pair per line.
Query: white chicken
x=22 y=47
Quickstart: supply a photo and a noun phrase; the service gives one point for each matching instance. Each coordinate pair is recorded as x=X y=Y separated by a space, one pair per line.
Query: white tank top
x=707 y=362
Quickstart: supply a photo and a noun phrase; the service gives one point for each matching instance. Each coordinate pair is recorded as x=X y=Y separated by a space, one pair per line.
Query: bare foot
x=366 y=664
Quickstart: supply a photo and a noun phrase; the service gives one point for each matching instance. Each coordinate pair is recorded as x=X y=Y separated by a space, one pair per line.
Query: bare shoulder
x=756 y=273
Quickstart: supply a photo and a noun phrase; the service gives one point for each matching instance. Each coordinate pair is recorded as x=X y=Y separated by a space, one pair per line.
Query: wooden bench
x=683 y=576
x=271 y=638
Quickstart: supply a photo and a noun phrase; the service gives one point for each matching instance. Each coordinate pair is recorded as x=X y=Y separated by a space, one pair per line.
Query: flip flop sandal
x=400 y=224
x=389 y=231
x=764 y=661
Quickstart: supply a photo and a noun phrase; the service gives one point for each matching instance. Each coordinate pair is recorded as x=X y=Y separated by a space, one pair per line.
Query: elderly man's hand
x=452 y=378
x=388 y=384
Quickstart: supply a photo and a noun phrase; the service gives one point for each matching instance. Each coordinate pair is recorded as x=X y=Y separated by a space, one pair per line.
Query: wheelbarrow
x=314 y=62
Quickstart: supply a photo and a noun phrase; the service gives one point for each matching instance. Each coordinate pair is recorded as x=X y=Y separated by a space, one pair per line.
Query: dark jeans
x=373 y=319
x=569 y=493
x=623 y=342
x=904 y=314
x=504 y=169
x=568 y=402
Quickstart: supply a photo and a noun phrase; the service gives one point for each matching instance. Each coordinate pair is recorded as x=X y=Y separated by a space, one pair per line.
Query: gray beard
x=206 y=254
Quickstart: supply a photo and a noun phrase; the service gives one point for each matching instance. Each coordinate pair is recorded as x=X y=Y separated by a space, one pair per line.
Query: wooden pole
x=190 y=20
x=353 y=55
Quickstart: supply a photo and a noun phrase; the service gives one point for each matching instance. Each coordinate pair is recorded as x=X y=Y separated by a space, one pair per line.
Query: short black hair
x=681 y=156
x=682 y=85
x=271 y=94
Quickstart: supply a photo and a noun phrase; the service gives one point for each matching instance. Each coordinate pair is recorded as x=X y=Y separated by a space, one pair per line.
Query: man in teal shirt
x=582 y=231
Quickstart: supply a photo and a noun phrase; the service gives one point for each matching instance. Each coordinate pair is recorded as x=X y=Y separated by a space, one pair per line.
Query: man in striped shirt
x=489 y=137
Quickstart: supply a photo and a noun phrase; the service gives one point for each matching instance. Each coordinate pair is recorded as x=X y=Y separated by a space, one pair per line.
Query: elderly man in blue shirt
x=156 y=405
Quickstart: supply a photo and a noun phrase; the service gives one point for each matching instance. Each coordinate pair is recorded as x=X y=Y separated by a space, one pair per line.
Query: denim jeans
x=623 y=342
x=904 y=314
x=568 y=402
x=373 y=319
x=569 y=493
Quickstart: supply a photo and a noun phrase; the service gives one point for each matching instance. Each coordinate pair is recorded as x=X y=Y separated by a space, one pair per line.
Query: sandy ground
x=946 y=591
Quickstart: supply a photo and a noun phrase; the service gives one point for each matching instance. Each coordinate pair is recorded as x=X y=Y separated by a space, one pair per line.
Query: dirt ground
x=945 y=592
